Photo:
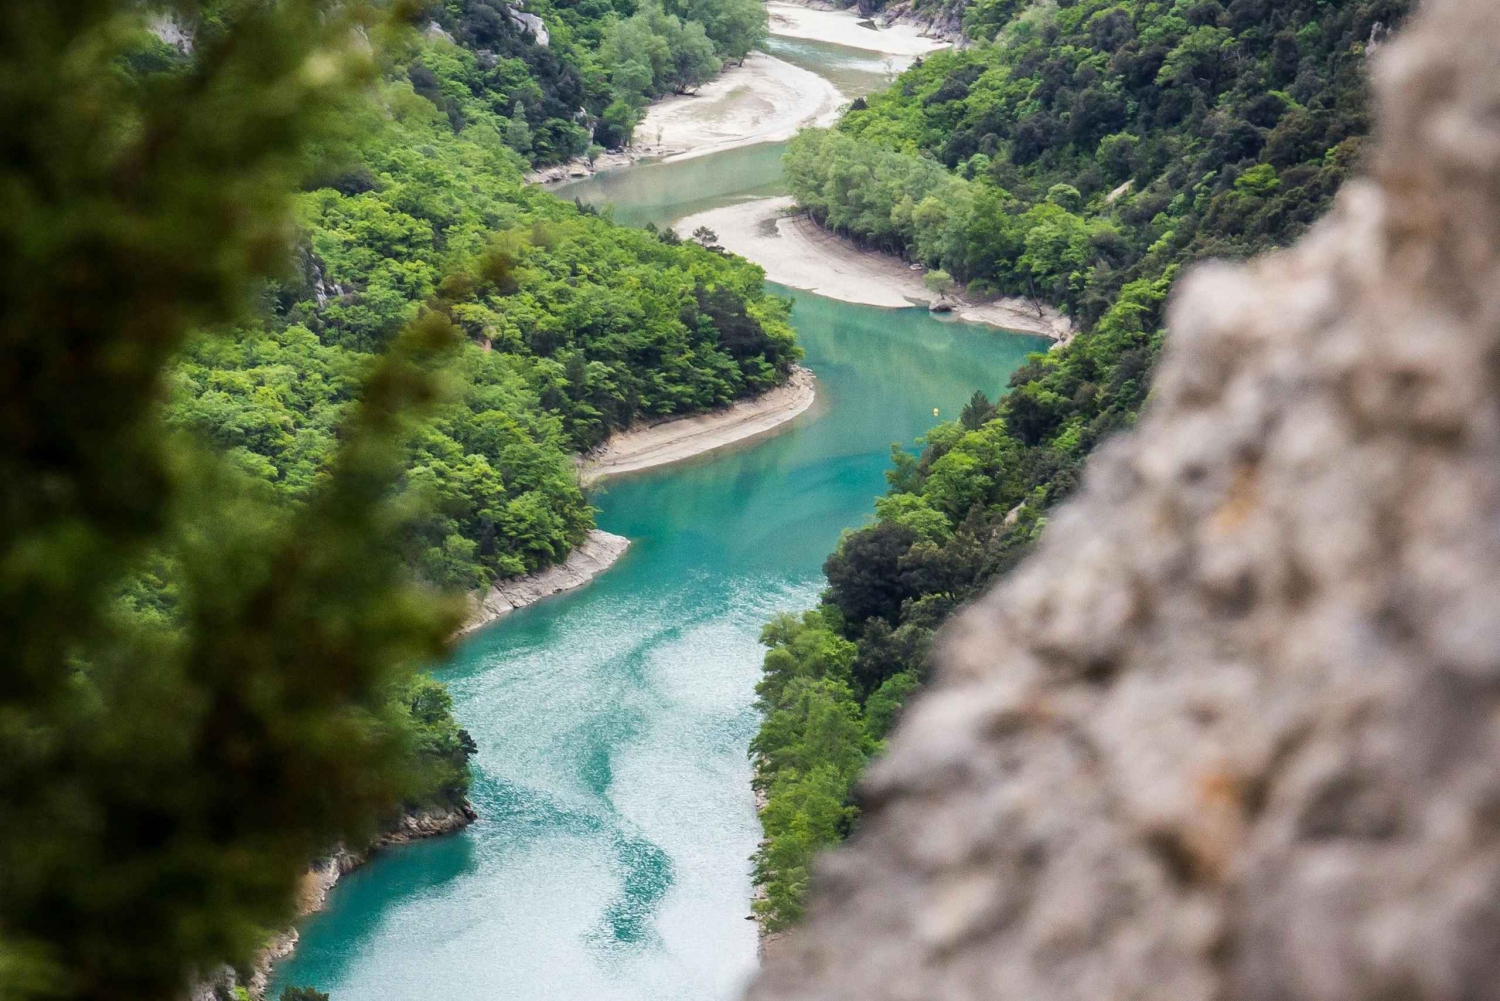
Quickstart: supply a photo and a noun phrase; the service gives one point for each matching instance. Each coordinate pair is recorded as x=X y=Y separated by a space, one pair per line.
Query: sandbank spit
x=644 y=447
x=679 y=438
x=842 y=27
x=587 y=560
x=765 y=100
x=798 y=253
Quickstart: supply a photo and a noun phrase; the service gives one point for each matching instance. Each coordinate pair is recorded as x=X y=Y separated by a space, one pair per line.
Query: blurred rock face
x=1234 y=730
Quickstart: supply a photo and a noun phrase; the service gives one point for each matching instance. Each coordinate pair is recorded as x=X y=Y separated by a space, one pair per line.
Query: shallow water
x=662 y=193
x=610 y=860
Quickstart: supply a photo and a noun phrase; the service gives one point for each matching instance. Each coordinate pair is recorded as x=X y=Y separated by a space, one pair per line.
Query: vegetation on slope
x=1082 y=157
x=588 y=85
x=588 y=327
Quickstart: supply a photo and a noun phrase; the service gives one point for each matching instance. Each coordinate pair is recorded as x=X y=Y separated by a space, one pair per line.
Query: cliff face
x=1232 y=731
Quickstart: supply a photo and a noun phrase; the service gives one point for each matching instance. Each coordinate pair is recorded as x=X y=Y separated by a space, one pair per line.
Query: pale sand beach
x=589 y=559
x=796 y=252
x=679 y=438
x=846 y=28
x=765 y=100
x=644 y=447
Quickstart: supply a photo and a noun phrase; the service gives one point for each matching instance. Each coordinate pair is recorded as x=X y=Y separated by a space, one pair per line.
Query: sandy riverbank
x=846 y=28
x=645 y=447
x=798 y=253
x=589 y=559
x=765 y=100
x=680 y=438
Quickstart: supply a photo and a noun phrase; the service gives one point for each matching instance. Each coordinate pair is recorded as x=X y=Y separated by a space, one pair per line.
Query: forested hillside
x=592 y=326
x=1081 y=154
x=556 y=79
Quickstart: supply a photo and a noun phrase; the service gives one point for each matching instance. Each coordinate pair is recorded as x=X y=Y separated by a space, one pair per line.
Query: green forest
x=591 y=327
x=1080 y=154
x=584 y=86
x=297 y=353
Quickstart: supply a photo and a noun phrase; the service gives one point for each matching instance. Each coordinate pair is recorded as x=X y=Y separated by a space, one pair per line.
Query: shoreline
x=762 y=100
x=675 y=439
x=845 y=27
x=643 y=447
x=319 y=880
x=798 y=253
x=590 y=558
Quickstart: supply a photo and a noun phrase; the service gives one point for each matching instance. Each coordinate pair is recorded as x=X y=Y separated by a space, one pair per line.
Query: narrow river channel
x=611 y=857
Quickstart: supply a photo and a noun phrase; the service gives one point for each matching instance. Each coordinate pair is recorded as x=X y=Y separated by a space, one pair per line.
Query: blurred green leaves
x=166 y=776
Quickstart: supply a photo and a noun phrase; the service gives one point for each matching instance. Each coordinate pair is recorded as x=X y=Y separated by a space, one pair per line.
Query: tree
x=693 y=59
x=302 y=994
x=172 y=757
x=736 y=27
x=517 y=130
x=862 y=575
x=706 y=238
x=938 y=282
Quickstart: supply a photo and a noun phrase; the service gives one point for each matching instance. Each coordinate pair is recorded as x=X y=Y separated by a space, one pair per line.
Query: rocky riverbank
x=317 y=883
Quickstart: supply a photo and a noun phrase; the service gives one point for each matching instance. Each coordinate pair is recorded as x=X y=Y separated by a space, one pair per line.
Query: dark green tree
x=302 y=994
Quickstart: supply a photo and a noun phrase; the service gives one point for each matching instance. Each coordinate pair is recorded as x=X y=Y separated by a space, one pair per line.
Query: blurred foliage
x=1082 y=156
x=197 y=694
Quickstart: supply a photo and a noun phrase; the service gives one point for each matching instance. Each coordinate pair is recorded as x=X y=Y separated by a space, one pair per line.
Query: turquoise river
x=611 y=857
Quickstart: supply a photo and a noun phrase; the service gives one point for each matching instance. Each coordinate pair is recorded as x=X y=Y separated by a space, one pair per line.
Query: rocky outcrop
x=1231 y=732
x=587 y=560
x=173 y=32
x=531 y=23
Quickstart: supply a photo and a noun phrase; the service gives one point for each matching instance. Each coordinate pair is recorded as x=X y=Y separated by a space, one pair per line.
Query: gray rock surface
x=1234 y=730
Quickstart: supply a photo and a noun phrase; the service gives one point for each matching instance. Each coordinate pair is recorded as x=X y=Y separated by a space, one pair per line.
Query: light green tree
x=518 y=130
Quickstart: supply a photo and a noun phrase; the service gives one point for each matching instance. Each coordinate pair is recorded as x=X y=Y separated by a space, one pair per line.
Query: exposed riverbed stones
x=1231 y=732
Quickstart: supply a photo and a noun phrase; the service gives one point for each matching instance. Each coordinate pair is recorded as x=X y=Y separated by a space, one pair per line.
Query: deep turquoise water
x=610 y=860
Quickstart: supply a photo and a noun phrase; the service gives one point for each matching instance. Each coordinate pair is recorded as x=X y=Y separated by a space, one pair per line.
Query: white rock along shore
x=764 y=100
x=846 y=28
x=589 y=559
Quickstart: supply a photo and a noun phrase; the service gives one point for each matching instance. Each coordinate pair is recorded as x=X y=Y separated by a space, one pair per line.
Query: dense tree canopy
x=590 y=82
x=588 y=327
x=1082 y=155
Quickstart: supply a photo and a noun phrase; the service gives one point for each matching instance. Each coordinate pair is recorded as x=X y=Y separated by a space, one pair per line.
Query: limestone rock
x=1233 y=731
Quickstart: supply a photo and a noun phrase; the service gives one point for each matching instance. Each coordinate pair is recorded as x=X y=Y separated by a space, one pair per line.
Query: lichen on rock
x=1231 y=732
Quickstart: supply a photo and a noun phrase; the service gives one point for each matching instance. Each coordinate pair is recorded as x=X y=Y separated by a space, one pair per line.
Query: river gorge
x=610 y=859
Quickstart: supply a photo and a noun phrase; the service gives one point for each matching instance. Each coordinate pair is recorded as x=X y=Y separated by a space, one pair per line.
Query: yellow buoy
x=934 y=411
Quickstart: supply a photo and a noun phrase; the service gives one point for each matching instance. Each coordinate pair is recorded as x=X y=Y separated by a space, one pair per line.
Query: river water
x=611 y=857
